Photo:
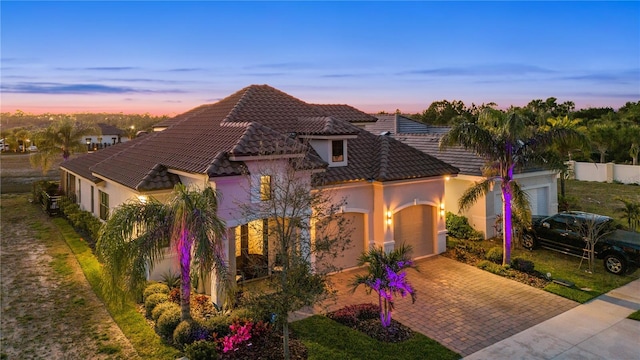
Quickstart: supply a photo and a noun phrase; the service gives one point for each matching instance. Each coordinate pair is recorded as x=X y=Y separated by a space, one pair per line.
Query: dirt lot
x=17 y=175
x=48 y=309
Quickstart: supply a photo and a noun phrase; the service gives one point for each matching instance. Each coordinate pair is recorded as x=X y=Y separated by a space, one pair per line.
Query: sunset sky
x=168 y=57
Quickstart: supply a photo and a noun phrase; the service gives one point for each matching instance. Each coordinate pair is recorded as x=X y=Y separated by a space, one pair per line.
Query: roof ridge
x=236 y=108
x=383 y=156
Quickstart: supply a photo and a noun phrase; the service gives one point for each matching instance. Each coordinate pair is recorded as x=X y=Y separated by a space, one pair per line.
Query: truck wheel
x=615 y=264
x=528 y=241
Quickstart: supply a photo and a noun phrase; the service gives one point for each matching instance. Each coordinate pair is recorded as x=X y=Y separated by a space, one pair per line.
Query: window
x=337 y=151
x=265 y=187
x=92 y=200
x=104 y=205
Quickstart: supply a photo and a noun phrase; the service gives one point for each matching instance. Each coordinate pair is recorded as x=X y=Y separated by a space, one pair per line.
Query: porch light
x=447 y=178
x=142 y=198
x=389 y=217
x=441 y=209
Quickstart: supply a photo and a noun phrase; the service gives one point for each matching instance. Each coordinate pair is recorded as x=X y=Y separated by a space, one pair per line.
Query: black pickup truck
x=563 y=232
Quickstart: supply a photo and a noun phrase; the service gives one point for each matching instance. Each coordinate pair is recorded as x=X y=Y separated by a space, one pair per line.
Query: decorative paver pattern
x=462 y=307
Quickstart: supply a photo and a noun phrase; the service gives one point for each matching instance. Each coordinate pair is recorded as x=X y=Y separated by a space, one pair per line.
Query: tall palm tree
x=64 y=137
x=565 y=147
x=504 y=139
x=134 y=237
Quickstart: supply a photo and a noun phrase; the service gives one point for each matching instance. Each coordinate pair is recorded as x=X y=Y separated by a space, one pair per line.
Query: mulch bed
x=268 y=347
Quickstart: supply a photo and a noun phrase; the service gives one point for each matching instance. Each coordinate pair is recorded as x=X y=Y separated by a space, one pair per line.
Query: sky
x=169 y=57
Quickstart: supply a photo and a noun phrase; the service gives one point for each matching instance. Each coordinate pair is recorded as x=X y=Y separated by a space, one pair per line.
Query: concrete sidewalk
x=597 y=329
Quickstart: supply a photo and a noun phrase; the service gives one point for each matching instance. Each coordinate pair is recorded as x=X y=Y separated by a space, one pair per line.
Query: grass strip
x=327 y=339
x=635 y=315
x=134 y=326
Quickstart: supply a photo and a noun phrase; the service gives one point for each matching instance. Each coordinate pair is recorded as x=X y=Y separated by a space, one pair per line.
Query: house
x=539 y=184
x=394 y=193
x=108 y=135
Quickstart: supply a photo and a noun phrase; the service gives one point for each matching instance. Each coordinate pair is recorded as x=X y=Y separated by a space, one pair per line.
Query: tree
x=23 y=136
x=507 y=144
x=630 y=211
x=137 y=233
x=602 y=136
x=564 y=146
x=442 y=112
x=386 y=276
x=592 y=229
x=61 y=138
x=290 y=209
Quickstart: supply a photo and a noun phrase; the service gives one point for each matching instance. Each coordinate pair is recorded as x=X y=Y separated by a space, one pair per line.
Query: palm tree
x=564 y=147
x=64 y=137
x=504 y=139
x=134 y=237
x=630 y=211
x=23 y=136
x=386 y=277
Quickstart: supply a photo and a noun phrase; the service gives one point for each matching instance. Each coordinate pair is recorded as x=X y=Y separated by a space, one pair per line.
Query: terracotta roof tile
x=253 y=121
x=346 y=113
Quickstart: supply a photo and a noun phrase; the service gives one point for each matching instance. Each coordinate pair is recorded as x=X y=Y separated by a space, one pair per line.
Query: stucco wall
x=609 y=172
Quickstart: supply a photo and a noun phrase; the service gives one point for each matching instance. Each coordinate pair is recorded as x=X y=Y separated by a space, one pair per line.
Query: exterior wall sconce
x=389 y=217
x=441 y=209
x=447 y=178
x=142 y=198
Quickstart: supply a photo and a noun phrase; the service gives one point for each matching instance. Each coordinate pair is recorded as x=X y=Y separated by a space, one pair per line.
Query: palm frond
x=475 y=192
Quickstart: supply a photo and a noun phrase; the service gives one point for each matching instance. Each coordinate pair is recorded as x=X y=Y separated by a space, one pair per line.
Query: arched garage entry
x=348 y=257
x=415 y=226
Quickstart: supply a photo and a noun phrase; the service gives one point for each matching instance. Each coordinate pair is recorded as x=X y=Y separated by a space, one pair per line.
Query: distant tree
x=632 y=135
x=442 y=112
x=563 y=147
x=602 y=136
x=631 y=112
x=592 y=113
x=630 y=211
x=62 y=138
x=23 y=136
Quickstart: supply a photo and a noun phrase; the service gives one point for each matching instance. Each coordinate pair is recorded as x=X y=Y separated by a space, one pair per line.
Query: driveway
x=462 y=307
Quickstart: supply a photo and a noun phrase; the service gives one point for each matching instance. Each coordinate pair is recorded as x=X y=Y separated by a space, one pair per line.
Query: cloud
x=631 y=76
x=481 y=70
x=265 y=74
x=606 y=95
x=212 y=100
x=185 y=69
x=283 y=65
x=173 y=101
x=59 y=88
x=344 y=75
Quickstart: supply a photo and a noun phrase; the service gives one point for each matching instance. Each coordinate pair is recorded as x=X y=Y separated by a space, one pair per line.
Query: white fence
x=609 y=172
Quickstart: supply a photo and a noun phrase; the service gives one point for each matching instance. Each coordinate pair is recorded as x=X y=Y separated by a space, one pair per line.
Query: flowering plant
x=387 y=277
x=241 y=332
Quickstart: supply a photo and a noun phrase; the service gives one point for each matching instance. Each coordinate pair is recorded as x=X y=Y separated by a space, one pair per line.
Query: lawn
x=599 y=198
x=327 y=339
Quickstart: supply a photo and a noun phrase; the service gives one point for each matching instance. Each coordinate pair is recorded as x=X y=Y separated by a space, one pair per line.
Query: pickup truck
x=563 y=232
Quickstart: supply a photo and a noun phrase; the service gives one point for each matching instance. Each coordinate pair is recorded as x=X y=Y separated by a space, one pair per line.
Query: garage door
x=348 y=257
x=539 y=200
x=415 y=226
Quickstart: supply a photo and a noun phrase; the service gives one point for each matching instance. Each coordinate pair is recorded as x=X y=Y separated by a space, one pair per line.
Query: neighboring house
x=394 y=193
x=108 y=136
x=539 y=184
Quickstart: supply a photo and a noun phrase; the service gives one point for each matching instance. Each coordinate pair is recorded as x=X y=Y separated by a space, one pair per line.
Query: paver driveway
x=460 y=306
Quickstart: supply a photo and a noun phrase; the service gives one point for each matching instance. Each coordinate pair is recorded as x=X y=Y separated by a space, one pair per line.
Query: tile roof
x=106 y=129
x=346 y=113
x=257 y=120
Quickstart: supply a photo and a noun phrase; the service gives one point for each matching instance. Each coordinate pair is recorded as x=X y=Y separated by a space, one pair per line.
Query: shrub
x=458 y=227
x=217 y=324
x=161 y=308
x=494 y=255
x=523 y=265
x=240 y=314
x=201 y=350
x=153 y=300
x=168 y=321
x=492 y=267
x=155 y=288
x=171 y=279
x=187 y=332
x=352 y=314
x=175 y=295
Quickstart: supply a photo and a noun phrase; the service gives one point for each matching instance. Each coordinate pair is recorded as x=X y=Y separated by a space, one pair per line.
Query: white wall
x=609 y=172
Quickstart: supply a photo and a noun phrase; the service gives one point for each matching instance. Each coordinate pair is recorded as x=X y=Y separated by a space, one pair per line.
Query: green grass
x=599 y=198
x=635 y=316
x=133 y=324
x=326 y=339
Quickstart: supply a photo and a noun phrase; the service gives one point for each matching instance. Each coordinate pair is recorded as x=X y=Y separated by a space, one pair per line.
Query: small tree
x=386 y=276
x=630 y=211
x=592 y=230
x=290 y=210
